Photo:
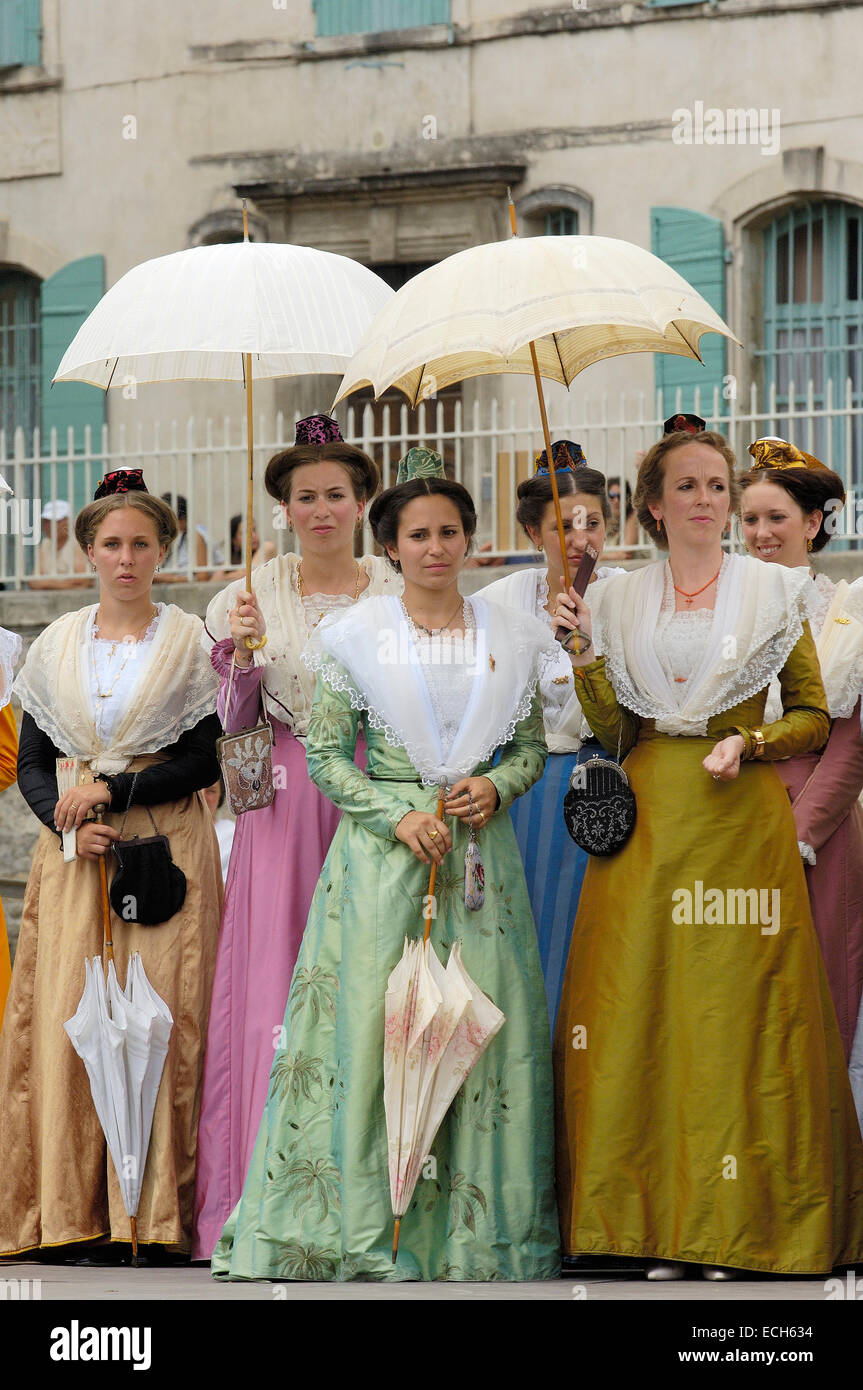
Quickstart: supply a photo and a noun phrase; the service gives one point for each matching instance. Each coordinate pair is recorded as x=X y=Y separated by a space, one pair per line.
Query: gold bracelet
x=758 y=737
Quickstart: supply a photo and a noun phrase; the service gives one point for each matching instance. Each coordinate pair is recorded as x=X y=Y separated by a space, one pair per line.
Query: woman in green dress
x=704 y=1113
x=437 y=683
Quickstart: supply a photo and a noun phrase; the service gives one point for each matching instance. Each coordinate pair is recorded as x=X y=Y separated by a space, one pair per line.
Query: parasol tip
x=396 y=1230
x=134 y=1226
x=245 y=222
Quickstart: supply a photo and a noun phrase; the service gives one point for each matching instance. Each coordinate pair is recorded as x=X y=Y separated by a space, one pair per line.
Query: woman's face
x=696 y=501
x=322 y=507
x=582 y=522
x=613 y=491
x=126 y=551
x=775 y=527
x=431 y=543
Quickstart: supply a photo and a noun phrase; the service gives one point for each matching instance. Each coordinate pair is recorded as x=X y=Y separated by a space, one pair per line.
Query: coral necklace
x=690 y=597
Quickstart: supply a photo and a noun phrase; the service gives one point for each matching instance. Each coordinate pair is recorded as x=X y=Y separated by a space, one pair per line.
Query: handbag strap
x=129 y=807
x=230 y=688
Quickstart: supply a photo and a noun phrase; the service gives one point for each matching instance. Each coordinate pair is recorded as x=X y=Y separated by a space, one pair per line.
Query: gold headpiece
x=771 y=452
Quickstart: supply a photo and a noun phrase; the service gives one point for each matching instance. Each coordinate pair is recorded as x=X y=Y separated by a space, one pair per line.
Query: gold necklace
x=435 y=631
x=106 y=694
x=302 y=593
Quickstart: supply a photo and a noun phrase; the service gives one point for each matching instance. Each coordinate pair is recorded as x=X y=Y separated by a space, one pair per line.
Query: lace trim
x=775 y=649
x=806 y=852
x=338 y=678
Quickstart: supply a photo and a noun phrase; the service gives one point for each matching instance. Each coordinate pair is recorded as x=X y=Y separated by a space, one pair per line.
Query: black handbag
x=147 y=887
x=599 y=808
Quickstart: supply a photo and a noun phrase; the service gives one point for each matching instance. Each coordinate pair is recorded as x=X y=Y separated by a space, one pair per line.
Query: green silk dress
x=703 y=1106
x=316 y=1201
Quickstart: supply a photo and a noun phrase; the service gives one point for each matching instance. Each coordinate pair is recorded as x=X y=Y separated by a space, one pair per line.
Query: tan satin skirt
x=58 y=1182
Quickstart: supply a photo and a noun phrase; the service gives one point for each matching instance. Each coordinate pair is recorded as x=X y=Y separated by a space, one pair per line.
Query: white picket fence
x=490 y=450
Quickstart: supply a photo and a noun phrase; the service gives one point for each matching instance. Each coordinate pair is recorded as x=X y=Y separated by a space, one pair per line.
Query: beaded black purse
x=599 y=808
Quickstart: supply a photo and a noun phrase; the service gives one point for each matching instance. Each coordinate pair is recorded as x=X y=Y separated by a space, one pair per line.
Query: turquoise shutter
x=67 y=298
x=20 y=33
x=377 y=16
x=693 y=244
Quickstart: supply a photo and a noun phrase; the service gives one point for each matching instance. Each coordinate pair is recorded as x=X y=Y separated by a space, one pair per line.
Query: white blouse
x=114 y=667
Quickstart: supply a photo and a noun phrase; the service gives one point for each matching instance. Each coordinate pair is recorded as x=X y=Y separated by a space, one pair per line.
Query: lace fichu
x=758 y=620
x=371 y=657
x=10 y=650
x=171 y=692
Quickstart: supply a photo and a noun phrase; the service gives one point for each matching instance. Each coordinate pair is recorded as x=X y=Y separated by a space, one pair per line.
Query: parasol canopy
x=194 y=314
x=579 y=299
x=122 y=1038
x=438 y=1024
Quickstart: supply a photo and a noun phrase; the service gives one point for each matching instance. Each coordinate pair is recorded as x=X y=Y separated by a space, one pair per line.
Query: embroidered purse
x=246 y=760
x=599 y=808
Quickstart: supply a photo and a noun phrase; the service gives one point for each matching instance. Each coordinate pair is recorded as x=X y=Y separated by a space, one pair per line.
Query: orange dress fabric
x=8 y=774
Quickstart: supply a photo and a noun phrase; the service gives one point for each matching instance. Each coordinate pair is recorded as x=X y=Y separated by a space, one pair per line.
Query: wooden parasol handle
x=545 y=434
x=429 y=905
x=103 y=881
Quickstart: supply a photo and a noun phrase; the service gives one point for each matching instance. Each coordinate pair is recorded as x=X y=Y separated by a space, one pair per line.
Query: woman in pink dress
x=323 y=486
x=789 y=511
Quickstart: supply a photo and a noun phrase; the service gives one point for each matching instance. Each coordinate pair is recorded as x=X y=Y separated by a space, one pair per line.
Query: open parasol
x=229 y=312
x=545 y=306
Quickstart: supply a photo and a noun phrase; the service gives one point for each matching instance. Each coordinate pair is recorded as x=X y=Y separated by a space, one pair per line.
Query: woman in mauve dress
x=323 y=486
x=789 y=511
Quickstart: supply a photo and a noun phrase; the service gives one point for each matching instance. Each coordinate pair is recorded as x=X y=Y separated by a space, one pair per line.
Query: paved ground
x=165 y=1285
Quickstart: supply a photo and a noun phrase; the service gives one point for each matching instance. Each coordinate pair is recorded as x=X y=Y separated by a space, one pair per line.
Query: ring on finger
x=434 y=834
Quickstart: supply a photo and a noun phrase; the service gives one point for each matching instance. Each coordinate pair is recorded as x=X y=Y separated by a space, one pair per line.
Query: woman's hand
x=246 y=621
x=479 y=790
x=723 y=761
x=76 y=805
x=425 y=835
x=571 y=612
x=94 y=839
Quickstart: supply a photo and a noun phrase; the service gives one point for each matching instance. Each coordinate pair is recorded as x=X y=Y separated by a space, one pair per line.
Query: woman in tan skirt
x=125 y=686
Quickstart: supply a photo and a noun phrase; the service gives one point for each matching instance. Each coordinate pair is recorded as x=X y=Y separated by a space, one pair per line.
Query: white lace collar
x=370 y=654
x=758 y=618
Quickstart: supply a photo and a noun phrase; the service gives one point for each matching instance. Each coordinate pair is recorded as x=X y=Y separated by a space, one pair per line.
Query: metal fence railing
x=489 y=448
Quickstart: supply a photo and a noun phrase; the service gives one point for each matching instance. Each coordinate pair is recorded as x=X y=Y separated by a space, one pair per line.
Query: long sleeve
x=805 y=723
x=330 y=746
x=37 y=771
x=611 y=722
x=522 y=759
x=245 y=711
x=8 y=747
x=834 y=786
x=191 y=764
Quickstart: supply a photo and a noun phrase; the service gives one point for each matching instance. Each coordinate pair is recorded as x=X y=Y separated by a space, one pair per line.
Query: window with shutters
x=20 y=353
x=20 y=33
x=693 y=244
x=561 y=222
x=813 y=324
x=67 y=299
x=377 y=16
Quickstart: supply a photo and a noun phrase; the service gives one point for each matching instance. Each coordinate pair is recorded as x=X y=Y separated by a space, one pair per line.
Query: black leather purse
x=147 y=888
x=599 y=808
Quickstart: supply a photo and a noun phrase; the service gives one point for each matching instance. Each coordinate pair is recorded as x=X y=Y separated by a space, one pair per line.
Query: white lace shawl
x=175 y=689
x=286 y=680
x=527 y=589
x=839 y=643
x=369 y=653
x=758 y=619
x=10 y=650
